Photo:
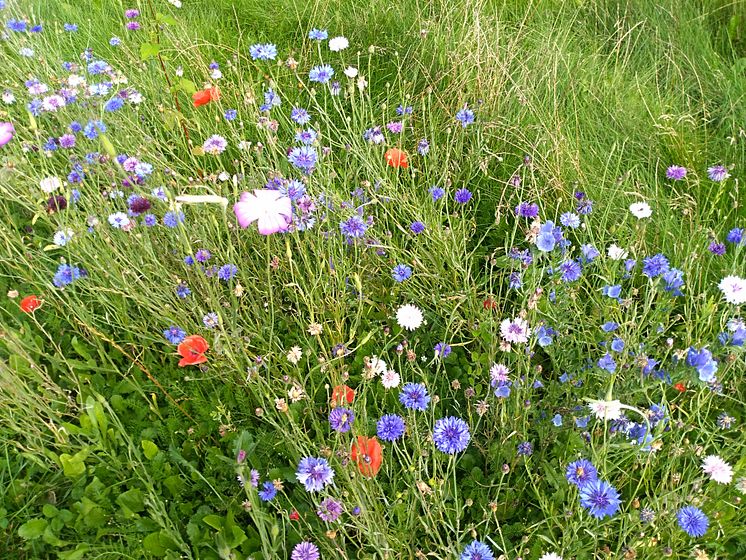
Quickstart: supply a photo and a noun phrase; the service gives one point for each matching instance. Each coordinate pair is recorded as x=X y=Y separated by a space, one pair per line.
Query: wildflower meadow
x=460 y=279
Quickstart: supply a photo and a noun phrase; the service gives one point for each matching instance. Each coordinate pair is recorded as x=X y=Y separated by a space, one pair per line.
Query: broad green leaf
x=149 y=448
x=149 y=50
x=32 y=529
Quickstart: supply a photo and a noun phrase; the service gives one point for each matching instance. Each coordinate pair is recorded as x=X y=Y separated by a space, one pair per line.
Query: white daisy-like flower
x=390 y=379
x=616 y=253
x=606 y=410
x=377 y=365
x=719 y=470
x=8 y=97
x=515 y=330
x=351 y=72
x=409 y=317
x=62 y=237
x=641 y=210
x=337 y=44
x=551 y=556
x=734 y=289
x=50 y=184
x=499 y=372
x=294 y=355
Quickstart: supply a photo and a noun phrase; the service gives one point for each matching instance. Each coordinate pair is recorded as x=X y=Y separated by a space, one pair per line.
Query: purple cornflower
x=451 y=435
x=149 y=220
x=676 y=172
x=353 y=227
x=182 y=290
x=417 y=227
x=401 y=272
x=716 y=248
x=580 y=472
x=300 y=116
x=462 y=196
x=131 y=13
x=527 y=210
x=396 y=127
x=718 y=173
x=267 y=492
x=202 y=255
x=174 y=334
x=227 y=271
x=571 y=271
x=600 y=498
x=341 y=419
x=437 y=193
x=67 y=141
x=211 y=320
x=329 y=510
x=138 y=205
x=305 y=550
x=423 y=147
x=314 y=473
x=390 y=427
x=414 y=396
x=442 y=350
x=254 y=478
x=693 y=521
x=132 y=26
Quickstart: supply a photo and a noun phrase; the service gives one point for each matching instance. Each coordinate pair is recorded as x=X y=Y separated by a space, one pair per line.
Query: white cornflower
x=734 y=289
x=606 y=410
x=616 y=253
x=50 y=184
x=719 y=470
x=337 y=44
x=409 y=317
x=294 y=355
x=640 y=210
x=390 y=379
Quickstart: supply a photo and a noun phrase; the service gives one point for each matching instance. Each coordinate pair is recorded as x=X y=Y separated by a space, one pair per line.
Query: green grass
x=111 y=450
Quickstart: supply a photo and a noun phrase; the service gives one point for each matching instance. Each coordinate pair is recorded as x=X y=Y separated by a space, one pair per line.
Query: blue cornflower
x=211 y=320
x=321 y=74
x=306 y=137
x=617 y=345
x=314 y=473
x=417 y=227
x=66 y=275
x=227 y=271
x=390 y=427
x=570 y=220
x=16 y=25
x=271 y=99
x=230 y=114
x=404 y=110
x=557 y=420
x=114 y=104
x=546 y=240
x=515 y=282
x=115 y=41
x=303 y=158
x=35 y=29
x=581 y=472
x=300 y=116
x=693 y=521
x=607 y=363
x=423 y=147
x=173 y=219
x=655 y=266
x=612 y=291
x=341 y=419
x=571 y=271
x=609 y=326
x=70 y=27
x=174 y=334
x=674 y=281
x=414 y=396
x=437 y=193
x=442 y=350
x=589 y=252
x=544 y=336
x=401 y=272
x=477 y=551
x=451 y=435
x=149 y=220
x=702 y=361
x=462 y=196
x=600 y=498
x=465 y=116
x=189 y=260
x=735 y=236
x=353 y=227
x=582 y=422
x=97 y=67
x=182 y=290
x=525 y=448
x=93 y=128
x=318 y=34
x=267 y=492
x=263 y=51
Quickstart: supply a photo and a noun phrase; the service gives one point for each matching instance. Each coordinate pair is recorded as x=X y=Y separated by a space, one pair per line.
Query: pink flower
x=6 y=132
x=719 y=470
x=270 y=209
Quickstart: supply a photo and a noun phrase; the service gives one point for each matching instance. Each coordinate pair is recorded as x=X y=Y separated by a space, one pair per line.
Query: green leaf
x=214 y=521
x=187 y=86
x=73 y=466
x=132 y=500
x=149 y=50
x=165 y=18
x=32 y=529
x=149 y=448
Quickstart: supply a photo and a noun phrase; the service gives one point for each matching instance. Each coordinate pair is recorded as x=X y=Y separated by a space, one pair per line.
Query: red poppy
x=294 y=516
x=489 y=303
x=367 y=454
x=342 y=393
x=680 y=387
x=204 y=96
x=396 y=158
x=192 y=350
x=29 y=304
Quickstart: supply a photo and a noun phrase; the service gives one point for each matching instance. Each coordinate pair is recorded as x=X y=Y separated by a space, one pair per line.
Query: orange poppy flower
x=29 y=304
x=367 y=454
x=204 y=96
x=192 y=350
x=680 y=387
x=396 y=158
x=342 y=393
